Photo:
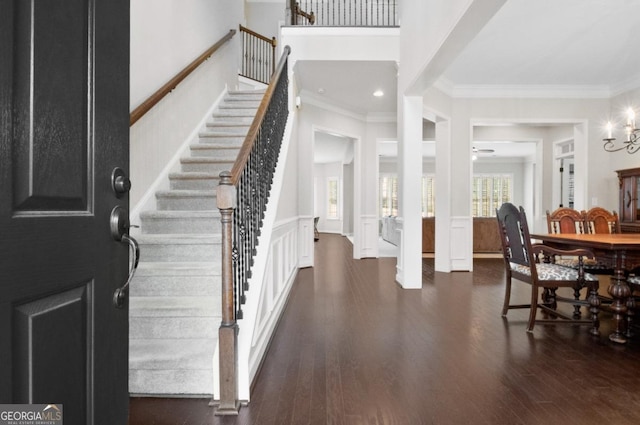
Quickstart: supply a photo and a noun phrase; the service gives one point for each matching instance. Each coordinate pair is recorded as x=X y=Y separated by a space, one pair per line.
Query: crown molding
x=523 y=91
x=310 y=98
x=632 y=83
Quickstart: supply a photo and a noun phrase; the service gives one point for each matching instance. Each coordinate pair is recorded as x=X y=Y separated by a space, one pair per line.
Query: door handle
x=120 y=232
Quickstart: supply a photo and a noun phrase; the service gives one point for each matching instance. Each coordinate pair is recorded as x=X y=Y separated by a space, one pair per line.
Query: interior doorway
x=564 y=174
x=334 y=173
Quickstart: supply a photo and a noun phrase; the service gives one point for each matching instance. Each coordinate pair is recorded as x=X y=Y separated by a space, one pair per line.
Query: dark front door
x=64 y=85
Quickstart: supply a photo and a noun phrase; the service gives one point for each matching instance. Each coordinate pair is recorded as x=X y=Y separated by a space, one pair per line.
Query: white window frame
x=390 y=208
x=428 y=210
x=487 y=207
x=338 y=204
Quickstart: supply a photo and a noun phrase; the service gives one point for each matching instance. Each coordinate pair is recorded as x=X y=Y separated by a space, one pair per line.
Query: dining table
x=618 y=251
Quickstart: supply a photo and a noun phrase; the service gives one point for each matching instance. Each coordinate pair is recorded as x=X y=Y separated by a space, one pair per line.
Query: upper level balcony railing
x=344 y=13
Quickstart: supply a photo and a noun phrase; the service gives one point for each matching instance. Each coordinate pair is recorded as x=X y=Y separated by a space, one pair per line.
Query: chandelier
x=631 y=144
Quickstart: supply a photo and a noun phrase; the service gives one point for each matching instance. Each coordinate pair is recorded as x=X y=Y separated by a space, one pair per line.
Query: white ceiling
x=349 y=84
x=583 y=47
x=577 y=43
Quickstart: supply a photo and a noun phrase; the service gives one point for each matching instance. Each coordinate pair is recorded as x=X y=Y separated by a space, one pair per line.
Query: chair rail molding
x=461 y=235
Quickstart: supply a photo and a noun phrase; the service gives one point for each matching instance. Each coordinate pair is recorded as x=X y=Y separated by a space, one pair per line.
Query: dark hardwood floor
x=354 y=348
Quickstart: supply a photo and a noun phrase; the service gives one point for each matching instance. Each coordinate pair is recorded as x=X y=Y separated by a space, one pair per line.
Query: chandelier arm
x=610 y=146
x=631 y=146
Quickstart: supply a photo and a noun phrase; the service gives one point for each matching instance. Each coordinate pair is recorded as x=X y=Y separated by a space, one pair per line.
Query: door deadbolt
x=120 y=183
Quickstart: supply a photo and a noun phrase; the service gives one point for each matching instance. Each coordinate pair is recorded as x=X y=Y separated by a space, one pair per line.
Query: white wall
x=167 y=35
x=265 y=17
x=288 y=202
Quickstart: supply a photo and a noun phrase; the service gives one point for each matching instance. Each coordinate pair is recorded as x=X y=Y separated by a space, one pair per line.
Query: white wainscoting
x=461 y=237
x=305 y=241
x=281 y=271
x=266 y=299
x=369 y=225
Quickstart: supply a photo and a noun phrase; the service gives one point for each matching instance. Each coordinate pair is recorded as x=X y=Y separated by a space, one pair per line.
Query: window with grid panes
x=489 y=192
x=428 y=196
x=333 y=198
x=389 y=196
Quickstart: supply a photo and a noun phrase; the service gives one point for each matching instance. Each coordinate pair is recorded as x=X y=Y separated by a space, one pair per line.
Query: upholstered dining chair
x=522 y=262
x=568 y=220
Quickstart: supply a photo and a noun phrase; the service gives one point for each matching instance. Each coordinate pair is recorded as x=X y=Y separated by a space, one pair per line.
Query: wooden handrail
x=169 y=86
x=311 y=17
x=272 y=41
x=247 y=146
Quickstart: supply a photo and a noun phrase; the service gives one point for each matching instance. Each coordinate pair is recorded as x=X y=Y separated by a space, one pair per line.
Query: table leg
x=631 y=312
x=594 y=308
x=620 y=292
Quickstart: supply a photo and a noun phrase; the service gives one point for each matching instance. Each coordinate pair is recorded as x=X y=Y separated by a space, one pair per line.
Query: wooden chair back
x=600 y=220
x=514 y=234
x=565 y=220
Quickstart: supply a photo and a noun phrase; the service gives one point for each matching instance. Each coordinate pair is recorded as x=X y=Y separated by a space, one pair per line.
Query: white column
x=442 y=262
x=410 y=172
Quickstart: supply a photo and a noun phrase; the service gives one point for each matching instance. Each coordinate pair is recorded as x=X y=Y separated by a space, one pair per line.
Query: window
x=388 y=195
x=428 y=196
x=489 y=192
x=333 y=198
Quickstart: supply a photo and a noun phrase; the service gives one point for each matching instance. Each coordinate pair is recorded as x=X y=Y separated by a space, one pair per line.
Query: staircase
x=175 y=304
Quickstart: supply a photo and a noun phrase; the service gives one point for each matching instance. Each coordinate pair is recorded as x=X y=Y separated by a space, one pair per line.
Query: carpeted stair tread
x=179 y=239
x=174 y=306
x=180 y=214
x=173 y=354
x=178 y=268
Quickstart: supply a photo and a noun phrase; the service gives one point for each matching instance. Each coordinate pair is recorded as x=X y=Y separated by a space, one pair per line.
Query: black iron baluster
x=366 y=12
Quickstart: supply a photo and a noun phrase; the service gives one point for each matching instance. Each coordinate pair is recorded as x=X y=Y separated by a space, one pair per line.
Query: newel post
x=228 y=332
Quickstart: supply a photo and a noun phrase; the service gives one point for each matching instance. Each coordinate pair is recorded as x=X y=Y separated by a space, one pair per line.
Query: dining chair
x=600 y=220
x=568 y=220
x=565 y=220
x=522 y=262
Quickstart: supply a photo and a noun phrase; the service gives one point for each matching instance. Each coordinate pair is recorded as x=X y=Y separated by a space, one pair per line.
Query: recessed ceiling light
x=378 y=93
x=321 y=90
